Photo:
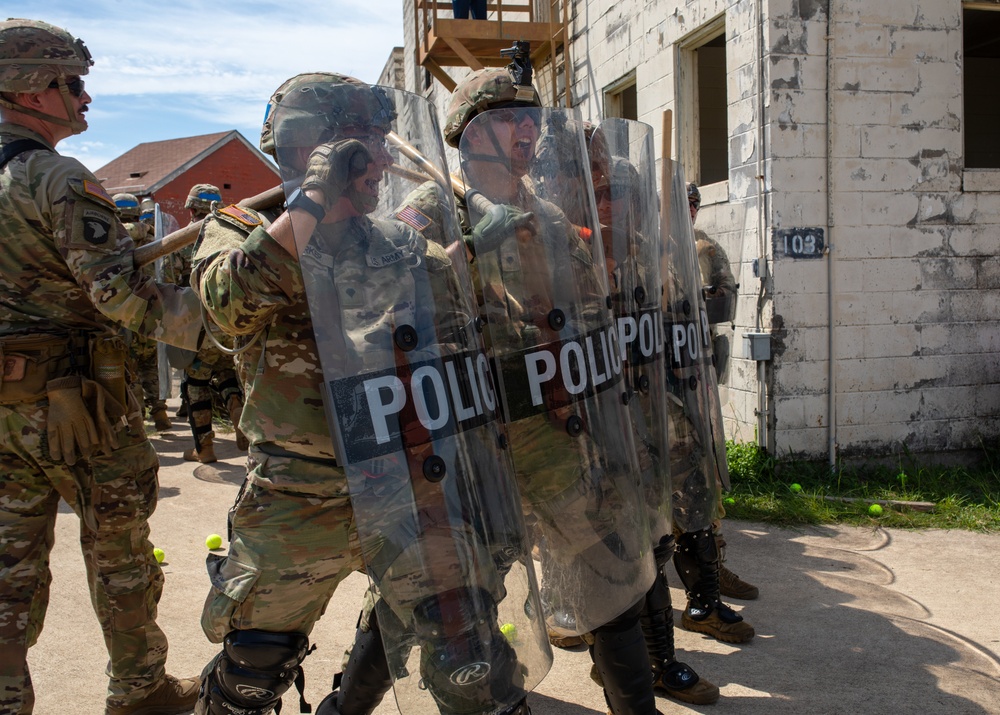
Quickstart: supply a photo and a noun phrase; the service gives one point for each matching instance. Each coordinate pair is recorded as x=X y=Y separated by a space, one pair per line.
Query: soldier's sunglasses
x=75 y=86
x=514 y=115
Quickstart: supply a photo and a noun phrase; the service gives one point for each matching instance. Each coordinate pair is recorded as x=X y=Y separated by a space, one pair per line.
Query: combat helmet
x=128 y=206
x=315 y=105
x=481 y=90
x=33 y=56
x=201 y=197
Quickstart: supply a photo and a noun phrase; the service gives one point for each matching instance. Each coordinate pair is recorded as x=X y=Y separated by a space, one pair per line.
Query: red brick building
x=168 y=169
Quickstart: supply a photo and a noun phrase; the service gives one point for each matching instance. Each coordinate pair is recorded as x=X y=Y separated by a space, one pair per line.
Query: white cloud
x=168 y=70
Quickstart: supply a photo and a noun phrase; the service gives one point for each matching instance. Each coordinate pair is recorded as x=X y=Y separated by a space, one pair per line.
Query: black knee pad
x=466 y=663
x=253 y=671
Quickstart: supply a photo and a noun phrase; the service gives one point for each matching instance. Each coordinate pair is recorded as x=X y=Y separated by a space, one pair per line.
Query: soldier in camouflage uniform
x=67 y=287
x=545 y=458
x=720 y=290
x=211 y=370
x=293 y=536
x=142 y=351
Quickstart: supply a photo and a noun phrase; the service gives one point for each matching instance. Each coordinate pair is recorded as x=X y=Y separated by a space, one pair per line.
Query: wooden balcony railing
x=443 y=41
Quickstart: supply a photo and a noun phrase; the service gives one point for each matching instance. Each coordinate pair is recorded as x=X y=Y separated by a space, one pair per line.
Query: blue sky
x=180 y=68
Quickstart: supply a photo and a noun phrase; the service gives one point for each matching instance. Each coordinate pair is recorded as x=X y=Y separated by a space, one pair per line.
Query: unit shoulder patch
x=239 y=216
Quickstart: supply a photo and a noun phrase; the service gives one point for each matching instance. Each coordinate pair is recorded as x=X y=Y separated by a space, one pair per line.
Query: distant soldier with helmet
x=211 y=370
x=142 y=350
x=67 y=287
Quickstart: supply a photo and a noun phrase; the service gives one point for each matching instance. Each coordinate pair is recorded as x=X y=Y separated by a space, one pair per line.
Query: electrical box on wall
x=757 y=346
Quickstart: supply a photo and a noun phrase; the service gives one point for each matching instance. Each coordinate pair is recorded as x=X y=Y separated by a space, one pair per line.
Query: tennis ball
x=796 y=487
x=510 y=631
x=213 y=541
x=159 y=555
x=875 y=510
x=729 y=501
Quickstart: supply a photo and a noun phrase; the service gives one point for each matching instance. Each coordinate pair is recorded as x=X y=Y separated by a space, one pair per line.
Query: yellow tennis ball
x=509 y=631
x=158 y=555
x=796 y=487
x=213 y=541
x=875 y=510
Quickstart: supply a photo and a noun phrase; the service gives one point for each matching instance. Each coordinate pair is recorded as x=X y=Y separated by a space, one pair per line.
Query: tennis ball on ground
x=510 y=631
x=729 y=501
x=875 y=510
x=213 y=541
x=159 y=555
x=795 y=487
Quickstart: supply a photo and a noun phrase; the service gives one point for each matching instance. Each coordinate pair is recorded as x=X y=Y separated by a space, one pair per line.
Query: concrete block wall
x=862 y=136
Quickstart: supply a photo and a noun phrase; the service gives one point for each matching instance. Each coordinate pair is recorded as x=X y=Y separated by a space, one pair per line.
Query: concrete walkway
x=850 y=620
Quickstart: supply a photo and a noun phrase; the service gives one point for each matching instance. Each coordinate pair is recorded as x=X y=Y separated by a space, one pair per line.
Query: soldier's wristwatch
x=299 y=200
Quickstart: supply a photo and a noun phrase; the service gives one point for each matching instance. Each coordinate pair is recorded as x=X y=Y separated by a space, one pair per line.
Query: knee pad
x=466 y=663
x=253 y=671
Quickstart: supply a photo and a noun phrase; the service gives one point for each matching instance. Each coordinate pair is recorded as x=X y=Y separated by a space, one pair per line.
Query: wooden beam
x=467 y=57
x=439 y=74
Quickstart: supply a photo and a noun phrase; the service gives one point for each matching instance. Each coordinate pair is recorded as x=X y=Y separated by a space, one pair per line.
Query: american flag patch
x=413 y=218
x=96 y=190
x=240 y=215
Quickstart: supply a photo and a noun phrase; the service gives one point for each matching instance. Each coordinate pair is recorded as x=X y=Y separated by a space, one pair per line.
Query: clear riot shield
x=545 y=301
x=694 y=453
x=622 y=167
x=413 y=411
x=162 y=363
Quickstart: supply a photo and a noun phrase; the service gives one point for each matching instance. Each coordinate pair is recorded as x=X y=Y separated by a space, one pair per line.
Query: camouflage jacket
x=250 y=285
x=67 y=259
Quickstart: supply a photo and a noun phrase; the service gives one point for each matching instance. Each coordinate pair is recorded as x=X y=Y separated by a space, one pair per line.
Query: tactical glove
x=70 y=428
x=496 y=226
x=107 y=414
x=333 y=166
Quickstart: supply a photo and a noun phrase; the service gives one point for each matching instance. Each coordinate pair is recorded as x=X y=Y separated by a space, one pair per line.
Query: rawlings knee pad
x=466 y=663
x=252 y=672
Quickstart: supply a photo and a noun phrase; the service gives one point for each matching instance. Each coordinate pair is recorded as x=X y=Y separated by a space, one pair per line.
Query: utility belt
x=29 y=362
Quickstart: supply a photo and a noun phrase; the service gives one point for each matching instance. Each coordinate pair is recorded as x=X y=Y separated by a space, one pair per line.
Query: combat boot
x=561 y=641
x=161 y=421
x=234 y=405
x=731 y=585
x=697 y=562
x=170 y=696
x=205 y=453
x=670 y=677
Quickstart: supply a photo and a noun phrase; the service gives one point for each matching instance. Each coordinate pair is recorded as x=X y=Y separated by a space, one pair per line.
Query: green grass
x=963 y=497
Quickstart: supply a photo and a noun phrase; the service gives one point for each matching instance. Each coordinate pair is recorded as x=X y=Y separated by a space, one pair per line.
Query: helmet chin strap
x=77 y=127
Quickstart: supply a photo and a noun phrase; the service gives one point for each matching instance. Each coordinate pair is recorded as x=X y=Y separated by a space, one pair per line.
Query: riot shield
x=695 y=455
x=412 y=408
x=162 y=363
x=622 y=167
x=544 y=298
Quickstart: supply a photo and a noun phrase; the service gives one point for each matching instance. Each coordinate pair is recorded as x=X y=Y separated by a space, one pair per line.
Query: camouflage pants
x=144 y=355
x=113 y=495
x=288 y=552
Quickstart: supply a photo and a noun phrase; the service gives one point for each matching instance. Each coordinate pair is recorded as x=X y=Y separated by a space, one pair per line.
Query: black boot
x=697 y=562
x=622 y=663
x=676 y=679
x=366 y=678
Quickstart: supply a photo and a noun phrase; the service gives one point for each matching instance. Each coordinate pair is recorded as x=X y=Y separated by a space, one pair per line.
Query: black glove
x=333 y=166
